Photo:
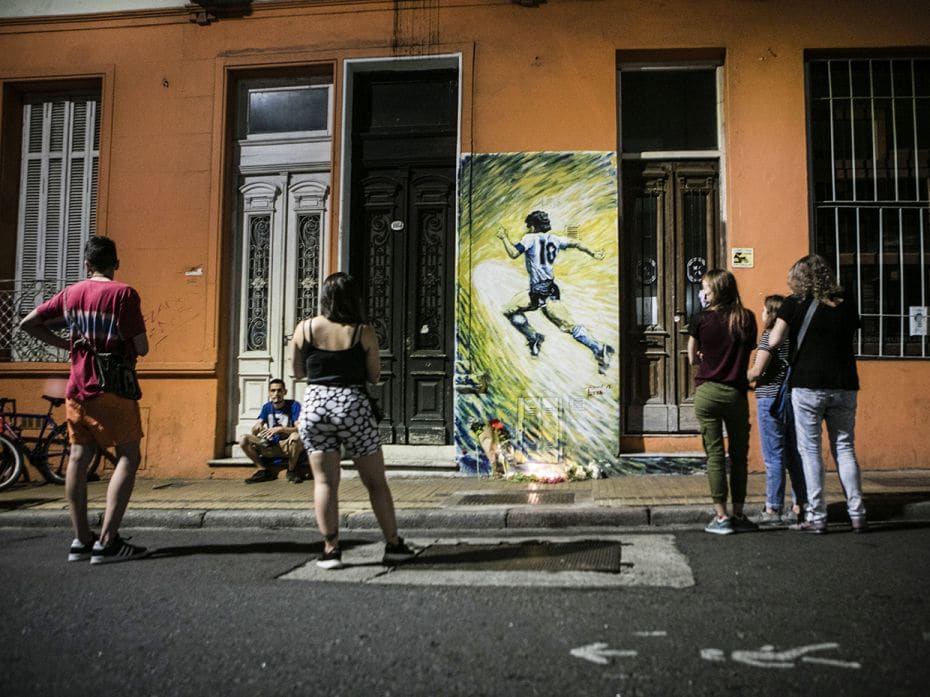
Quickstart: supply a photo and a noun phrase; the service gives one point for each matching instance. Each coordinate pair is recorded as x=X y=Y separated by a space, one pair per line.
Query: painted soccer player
x=540 y=249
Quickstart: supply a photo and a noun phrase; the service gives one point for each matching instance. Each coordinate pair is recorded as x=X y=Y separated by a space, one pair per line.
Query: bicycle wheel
x=51 y=459
x=11 y=463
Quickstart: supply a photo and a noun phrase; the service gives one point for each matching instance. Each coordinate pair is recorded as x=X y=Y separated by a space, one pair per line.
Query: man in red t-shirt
x=103 y=316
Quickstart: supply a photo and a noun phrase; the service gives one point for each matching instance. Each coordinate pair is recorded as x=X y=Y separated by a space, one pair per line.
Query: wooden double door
x=671 y=237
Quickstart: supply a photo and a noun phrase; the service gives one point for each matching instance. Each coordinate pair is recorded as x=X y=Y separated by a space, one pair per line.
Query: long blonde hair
x=726 y=300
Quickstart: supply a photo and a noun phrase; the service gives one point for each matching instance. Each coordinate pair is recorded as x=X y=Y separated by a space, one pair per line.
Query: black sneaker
x=119 y=550
x=79 y=551
x=397 y=553
x=262 y=475
x=741 y=523
x=330 y=560
x=294 y=477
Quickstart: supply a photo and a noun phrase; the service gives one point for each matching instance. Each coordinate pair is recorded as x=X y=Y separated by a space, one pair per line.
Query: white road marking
x=598 y=653
x=652 y=633
x=767 y=657
x=713 y=655
x=830 y=662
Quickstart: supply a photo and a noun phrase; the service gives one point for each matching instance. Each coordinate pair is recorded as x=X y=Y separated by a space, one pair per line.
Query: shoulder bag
x=779 y=408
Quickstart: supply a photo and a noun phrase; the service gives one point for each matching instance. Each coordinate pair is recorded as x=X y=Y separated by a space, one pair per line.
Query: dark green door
x=402 y=243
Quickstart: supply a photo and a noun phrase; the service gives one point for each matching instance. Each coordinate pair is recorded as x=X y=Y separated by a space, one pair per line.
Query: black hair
x=100 y=253
x=276 y=381
x=539 y=220
x=341 y=299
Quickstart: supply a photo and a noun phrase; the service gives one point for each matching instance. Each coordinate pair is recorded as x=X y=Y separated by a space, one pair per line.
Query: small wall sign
x=741 y=257
x=918 y=316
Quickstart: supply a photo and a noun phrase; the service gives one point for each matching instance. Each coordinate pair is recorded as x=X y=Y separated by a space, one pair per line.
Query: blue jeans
x=838 y=409
x=780 y=453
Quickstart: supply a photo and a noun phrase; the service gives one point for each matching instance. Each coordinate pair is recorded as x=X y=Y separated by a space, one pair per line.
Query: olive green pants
x=716 y=405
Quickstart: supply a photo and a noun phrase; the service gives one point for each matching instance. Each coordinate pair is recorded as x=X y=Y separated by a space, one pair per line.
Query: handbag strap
x=802 y=332
x=74 y=326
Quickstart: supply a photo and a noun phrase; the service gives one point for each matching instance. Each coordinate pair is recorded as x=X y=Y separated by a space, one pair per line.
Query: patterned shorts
x=336 y=416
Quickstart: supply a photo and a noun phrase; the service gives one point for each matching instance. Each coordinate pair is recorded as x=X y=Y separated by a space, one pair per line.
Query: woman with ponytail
x=722 y=337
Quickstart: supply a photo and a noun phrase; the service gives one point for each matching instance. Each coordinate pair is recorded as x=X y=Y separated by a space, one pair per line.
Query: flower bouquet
x=496 y=442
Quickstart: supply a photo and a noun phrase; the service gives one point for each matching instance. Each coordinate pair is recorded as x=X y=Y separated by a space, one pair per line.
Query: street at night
x=246 y=612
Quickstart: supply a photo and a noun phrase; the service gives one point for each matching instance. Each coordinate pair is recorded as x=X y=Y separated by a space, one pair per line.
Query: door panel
x=282 y=218
x=671 y=234
x=428 y=331
x=404 y=254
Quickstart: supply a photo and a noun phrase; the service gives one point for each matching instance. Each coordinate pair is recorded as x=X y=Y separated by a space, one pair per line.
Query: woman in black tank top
x=338 y=354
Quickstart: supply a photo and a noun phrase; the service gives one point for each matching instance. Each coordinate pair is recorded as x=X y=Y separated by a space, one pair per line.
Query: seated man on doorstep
x=274 y=435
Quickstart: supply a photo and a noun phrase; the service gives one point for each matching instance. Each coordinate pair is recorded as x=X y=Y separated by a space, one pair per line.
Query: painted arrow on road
x=598 y=653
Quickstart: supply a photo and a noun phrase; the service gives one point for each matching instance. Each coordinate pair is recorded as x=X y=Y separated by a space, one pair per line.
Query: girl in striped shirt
x=779 y=448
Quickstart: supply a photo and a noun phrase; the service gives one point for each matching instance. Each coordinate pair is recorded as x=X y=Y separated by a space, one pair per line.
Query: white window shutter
x=58 y=187
x=58 y=197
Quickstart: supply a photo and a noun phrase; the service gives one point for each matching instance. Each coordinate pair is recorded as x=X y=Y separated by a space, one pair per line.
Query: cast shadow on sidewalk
x=22 y=504
x=237 y=549
x=266 y=547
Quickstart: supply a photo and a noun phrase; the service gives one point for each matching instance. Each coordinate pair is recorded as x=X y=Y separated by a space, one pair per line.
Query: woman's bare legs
x=326 y=474
x=371 y=471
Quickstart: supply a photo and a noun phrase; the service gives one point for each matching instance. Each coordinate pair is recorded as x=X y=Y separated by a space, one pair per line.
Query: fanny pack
x=116 y=374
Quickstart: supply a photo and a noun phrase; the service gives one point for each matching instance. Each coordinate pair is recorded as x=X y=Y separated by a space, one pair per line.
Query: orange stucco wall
x=534 y=79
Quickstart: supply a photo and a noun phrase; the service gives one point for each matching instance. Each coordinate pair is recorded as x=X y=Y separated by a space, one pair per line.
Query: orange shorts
x=105 y=420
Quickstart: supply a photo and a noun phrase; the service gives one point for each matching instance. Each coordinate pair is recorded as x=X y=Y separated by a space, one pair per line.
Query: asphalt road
x=774 y=613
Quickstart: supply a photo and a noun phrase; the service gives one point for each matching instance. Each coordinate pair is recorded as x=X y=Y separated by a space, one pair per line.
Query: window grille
x=57 y=211
x=870 y=161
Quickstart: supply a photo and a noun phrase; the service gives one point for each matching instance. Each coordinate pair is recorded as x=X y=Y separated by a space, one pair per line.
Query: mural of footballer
x=540 y=249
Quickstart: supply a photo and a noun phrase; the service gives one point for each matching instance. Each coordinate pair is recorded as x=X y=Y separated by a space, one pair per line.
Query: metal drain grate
x=526 y=498
x=585 y=555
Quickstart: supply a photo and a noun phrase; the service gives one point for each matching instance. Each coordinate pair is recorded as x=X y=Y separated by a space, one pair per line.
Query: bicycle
x=41 y=440
x=47 y=448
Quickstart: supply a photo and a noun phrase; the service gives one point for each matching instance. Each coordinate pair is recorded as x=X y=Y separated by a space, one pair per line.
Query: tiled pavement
x=452 y=502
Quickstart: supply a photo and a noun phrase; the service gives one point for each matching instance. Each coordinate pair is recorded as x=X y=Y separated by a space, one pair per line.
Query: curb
x=515 y=518
x=271 y=518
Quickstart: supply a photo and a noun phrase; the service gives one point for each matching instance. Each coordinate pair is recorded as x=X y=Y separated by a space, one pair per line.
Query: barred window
x=870 y=160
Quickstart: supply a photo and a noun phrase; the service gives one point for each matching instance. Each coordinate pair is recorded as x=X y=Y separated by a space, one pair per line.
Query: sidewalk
x=451 y=502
